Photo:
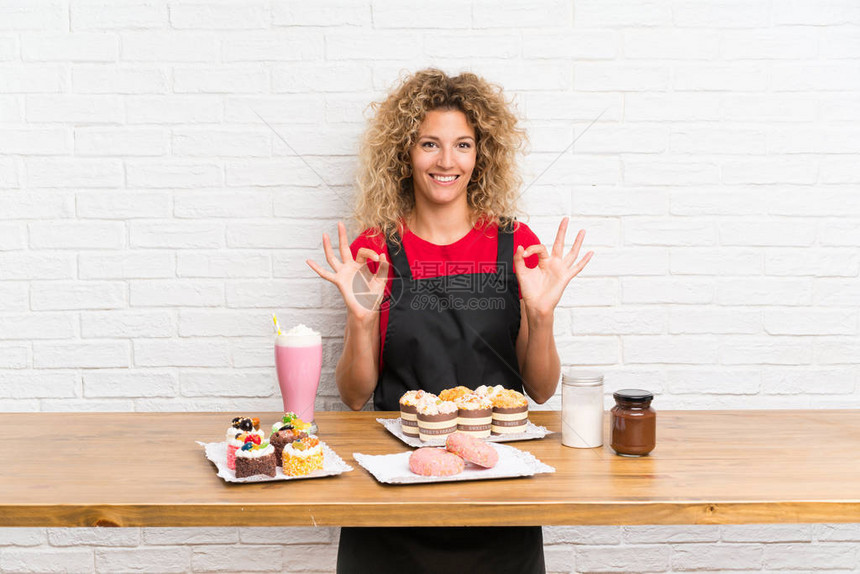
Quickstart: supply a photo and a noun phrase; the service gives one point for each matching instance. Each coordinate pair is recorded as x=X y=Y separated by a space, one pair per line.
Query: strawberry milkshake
x=298 y=361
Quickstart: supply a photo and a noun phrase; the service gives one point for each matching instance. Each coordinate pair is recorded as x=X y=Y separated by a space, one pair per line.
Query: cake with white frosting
x=302 y=457
x=254 y=459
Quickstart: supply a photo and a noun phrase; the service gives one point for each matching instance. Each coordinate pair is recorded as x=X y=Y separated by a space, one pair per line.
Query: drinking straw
x=277 y=327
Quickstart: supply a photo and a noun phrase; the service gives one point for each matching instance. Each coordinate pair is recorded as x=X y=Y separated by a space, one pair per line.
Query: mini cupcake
x=455 y=393
x=510 y=412
x=293 y=421
x=436 y=418
x=408 y=412
x=302 y=457
x=235 y=436
x=254 y=458
x=474 y=415
x=284 y=436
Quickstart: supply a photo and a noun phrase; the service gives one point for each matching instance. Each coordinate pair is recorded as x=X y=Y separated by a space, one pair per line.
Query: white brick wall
x=754 y=548
x=150 y=222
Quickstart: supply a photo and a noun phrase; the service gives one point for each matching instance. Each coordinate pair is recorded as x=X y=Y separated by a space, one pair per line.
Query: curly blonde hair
x=385 y=192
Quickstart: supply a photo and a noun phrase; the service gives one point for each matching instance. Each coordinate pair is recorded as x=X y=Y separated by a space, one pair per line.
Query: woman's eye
x=465 y=145
x=428 y=145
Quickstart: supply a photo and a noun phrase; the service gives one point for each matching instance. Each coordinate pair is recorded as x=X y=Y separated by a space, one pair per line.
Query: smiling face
x=443 y=158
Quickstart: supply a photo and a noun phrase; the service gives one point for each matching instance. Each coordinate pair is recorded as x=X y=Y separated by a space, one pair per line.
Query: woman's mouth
x=444 y=178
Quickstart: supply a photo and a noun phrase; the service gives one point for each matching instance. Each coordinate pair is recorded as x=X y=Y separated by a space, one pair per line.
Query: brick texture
x=150 y=221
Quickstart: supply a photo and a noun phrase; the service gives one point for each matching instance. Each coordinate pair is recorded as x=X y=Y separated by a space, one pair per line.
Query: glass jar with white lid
x=582 y=409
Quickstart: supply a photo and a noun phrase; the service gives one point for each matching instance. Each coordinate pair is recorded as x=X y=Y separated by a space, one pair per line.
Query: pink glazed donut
x=430 y=461
x=472 y=449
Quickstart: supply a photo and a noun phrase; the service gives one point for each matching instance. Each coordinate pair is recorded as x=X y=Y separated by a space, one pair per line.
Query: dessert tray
x=532 y=432
x=394 y=468
x=216 y=452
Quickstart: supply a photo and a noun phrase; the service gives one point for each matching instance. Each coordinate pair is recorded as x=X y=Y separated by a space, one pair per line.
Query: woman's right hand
x=362 y=290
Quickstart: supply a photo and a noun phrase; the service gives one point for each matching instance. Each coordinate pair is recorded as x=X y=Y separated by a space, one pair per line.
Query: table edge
x=415 y=514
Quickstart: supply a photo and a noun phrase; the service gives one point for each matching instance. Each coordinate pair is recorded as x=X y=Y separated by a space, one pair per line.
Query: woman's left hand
x=542 y=287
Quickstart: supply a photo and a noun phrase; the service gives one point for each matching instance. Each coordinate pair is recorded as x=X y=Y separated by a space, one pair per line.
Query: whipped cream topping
x=299 y=336
x=490 y=392
x=314 y=450
x=430 y=404
x=474 y=402
x=255 y=452
x=411 y=398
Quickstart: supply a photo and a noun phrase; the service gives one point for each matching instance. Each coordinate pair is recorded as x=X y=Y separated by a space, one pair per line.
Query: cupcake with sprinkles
x=510 y=412
x=255 y=457
x=436 y=418
x=409 y=412
x=474 y=415
x=302 y=457
x=455 y=393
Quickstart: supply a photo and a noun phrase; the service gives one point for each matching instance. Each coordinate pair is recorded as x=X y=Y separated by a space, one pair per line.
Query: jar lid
x=582 y=378
x=633 y=395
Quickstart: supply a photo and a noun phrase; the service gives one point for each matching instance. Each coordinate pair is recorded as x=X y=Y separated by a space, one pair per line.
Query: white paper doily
x=532 y=432
x=217 y=453
x=394 y=468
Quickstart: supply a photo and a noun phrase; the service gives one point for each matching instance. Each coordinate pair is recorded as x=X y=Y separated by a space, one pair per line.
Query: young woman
x=444 y=288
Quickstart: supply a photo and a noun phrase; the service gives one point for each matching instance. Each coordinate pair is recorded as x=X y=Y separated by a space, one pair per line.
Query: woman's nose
x=446 y=158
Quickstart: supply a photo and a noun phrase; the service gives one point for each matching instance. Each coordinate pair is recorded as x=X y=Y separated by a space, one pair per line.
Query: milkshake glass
x=298 y=361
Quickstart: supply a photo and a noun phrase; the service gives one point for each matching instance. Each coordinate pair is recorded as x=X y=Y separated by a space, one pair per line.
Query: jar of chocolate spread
x=633 y=423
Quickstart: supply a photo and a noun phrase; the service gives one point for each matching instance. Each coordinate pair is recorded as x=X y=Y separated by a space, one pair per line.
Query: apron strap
x=398 y=258
x=505 y=252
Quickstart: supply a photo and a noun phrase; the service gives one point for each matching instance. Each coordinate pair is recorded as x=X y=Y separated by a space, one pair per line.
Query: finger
x=572 y=255
x=558 y=246
x=519 y=261
x=327 y=275
x=343 y=242
x=364 y=254
x=329 y=253
x=382 y=270
x=538 y=249
x=581 y=265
